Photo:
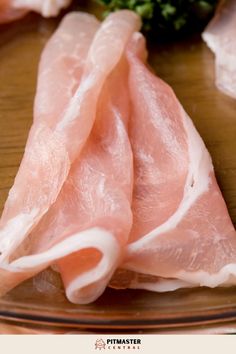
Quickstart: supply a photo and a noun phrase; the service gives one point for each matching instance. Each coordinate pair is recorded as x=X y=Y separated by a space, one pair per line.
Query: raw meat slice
x=46 y=161
x=106 y=252
x=61 y=66
x=98 y=234
x=116 y=30
x=193 y=241
x=11 y=10
x=219 y=35
x=46 y=8
x=53 y=145
x=104 y=181
x=86 y=228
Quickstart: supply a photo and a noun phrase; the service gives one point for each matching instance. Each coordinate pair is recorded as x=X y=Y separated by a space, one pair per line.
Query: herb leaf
x=167 y=16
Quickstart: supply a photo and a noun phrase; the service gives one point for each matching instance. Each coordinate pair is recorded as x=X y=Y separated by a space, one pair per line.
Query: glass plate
x=39 y=305
x=188 y=66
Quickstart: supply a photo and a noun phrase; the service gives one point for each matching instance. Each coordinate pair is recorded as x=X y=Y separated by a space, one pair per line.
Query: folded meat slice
x=57 y=138
x=85 y=230
x=182 y=234
x=11 y=10
x=46 y=161
x=220 y=37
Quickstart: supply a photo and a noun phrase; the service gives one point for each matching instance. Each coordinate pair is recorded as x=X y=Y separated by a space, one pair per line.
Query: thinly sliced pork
x=89 y=222
x=70 y=206
x=220 y=36
x=46 y=161
x=11 y=10
x=85 y=230
x=46 y=8
x=56 y=139
x=182 y=234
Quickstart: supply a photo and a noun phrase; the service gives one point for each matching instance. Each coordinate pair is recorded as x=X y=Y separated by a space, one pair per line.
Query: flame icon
x=100 y=344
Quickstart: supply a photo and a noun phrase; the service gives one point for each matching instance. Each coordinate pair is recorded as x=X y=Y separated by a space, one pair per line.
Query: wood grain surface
x=187 y=65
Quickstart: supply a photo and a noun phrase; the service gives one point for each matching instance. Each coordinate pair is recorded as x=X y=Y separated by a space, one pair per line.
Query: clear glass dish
x=184 y=310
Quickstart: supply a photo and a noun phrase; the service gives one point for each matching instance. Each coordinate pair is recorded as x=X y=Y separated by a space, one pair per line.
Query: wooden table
x=188 y=66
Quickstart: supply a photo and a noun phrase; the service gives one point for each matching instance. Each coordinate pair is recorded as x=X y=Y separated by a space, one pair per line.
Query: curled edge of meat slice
x=95 y=238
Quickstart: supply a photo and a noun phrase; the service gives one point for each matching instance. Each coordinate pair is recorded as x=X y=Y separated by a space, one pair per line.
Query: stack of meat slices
x=115 y=186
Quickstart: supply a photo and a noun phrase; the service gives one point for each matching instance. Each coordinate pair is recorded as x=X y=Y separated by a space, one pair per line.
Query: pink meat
x=46 y=161
x=87 y=227
x=96 y=196
x=11 y=10
x=182 y=234
x=46 y=8
x=55 y=141
x=70 y=206
x=220 y=37
x=88 y=224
